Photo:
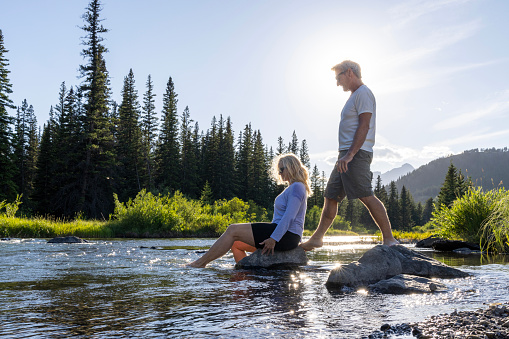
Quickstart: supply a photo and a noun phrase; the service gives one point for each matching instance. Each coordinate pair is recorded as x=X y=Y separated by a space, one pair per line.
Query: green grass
x=145 y=216
x=45 y=228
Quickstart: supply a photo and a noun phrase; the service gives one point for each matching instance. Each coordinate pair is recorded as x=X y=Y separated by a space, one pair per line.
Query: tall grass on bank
x=45 y=228
x=495 y=230
x=151 y=215
x=477 y=217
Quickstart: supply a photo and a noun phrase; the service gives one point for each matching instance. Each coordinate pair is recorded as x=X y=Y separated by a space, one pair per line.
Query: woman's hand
x=268 y=247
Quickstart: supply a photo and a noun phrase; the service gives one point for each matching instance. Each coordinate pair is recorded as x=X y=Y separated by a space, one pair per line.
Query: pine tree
x=210 y=165
x=244 y=170
x=96 y=196
x=227 y=172
x=380 y=191
x=280 y=146
x=427 y=211
x=304 y=154
x=406 y=209
x=293 y=146
x=67 y=145
x=130 y=173
x=259 y=185
x=26 y=145
x=393 y=208
x=8 y=169
x=455 y=185
x=417 y=214
x=188 y=160
x=316 y=187
x=168 y=148
x=47 y=162
x=149 y=130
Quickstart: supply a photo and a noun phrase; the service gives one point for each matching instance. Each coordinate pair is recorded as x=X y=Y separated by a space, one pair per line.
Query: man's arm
x=358 y=140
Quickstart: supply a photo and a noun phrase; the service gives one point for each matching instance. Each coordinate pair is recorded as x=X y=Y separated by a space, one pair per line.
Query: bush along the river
x=151 y=215
x=477 y=216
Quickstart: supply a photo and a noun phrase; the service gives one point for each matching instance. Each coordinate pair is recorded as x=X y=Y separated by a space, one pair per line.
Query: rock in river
x=407 y=284
x=384 y=262
x=280 y=259
x=67 y=240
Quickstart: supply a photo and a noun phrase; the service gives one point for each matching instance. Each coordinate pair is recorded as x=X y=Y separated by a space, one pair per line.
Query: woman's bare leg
x=234 y=232
x=239 y=250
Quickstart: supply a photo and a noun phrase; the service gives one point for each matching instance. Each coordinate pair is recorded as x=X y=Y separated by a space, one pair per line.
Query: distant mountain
x=488 y=168
x=392 y=175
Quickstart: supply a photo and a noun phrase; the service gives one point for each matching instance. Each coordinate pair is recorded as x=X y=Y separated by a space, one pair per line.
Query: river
x=124 y=288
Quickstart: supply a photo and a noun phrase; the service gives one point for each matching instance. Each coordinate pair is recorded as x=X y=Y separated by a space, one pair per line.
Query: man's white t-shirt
x=361 y=101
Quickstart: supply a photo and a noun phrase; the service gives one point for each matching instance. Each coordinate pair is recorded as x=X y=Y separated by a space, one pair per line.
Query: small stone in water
x=385 y=327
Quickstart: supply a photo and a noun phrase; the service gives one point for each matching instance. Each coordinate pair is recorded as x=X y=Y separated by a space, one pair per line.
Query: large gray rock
x=407 y=284
x=416 y=263
x=284 y=259
x=384 y=262
x=67 y=240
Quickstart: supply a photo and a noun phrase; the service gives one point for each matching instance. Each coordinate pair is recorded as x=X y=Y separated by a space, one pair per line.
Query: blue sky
x=438 y=69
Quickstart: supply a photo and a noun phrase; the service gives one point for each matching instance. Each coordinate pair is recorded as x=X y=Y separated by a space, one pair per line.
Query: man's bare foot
x=391 y=242
x=311 y=244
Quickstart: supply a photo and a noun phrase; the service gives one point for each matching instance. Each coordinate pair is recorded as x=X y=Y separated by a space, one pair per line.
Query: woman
x=285 y=231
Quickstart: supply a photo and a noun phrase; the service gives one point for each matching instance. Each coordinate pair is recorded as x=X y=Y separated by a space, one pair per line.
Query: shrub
x=165 y=216
x=466 y=216
x=495 y=230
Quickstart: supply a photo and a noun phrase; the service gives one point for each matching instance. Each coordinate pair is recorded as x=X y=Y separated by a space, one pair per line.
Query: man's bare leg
x=329 y=212
x=235 y=232
x=379 y=215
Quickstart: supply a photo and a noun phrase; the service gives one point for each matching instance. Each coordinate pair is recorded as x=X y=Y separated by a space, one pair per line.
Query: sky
x=438 y=69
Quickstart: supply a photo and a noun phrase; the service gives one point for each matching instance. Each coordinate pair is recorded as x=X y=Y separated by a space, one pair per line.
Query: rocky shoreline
x=491 y=322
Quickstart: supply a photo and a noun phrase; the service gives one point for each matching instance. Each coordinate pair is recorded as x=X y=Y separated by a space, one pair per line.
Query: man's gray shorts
x=355 y=183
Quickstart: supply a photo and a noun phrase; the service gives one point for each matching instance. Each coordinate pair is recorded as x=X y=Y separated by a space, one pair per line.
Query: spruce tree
x=244 y=170
x=149 y=131
x=293 y=146
x=8 y=169
x=47 y=162
x=188 y=160
x=280 y=146
x=259 y=185
x=227 y=169
x=304 y=154
x=406 y=209
x=427 y=211
x=380 y=191
x=448 y=191
x=168 y=147
x=130 y=173
x=393 y=207
x=316 y=187
x=96 y=195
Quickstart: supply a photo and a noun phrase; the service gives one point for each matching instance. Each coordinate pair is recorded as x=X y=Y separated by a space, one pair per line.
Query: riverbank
x=490 y=322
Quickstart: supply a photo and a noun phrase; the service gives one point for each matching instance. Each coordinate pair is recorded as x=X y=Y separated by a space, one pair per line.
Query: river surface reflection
x=142 y=288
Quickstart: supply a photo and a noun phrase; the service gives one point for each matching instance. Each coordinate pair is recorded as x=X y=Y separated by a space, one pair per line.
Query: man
x=351 y=176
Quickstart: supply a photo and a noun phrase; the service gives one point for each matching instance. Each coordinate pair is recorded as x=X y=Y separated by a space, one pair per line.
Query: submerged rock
x=451 y=245
x=67 y=240
x=428 y=242
x=280 y=259
x=407 y=284
x=384 y=262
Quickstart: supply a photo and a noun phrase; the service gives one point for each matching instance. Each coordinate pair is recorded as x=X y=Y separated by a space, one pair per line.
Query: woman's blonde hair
x=296 y=170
